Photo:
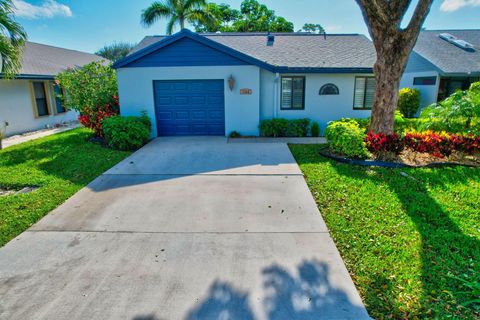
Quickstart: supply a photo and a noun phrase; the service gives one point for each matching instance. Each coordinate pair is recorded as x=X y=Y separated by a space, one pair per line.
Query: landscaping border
x=386 y=164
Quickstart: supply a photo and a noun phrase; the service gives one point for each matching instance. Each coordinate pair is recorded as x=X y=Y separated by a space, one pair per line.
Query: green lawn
x=403 y=238
x=60 y=165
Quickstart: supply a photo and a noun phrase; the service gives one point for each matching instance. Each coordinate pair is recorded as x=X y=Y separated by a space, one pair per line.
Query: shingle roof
x=45 y=60
x=446 y=56
x=295 y=50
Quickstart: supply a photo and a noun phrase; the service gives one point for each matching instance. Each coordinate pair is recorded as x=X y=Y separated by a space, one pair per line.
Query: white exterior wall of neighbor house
x=16 y=108
x=428 y=94
x=319 y=108
x=135 y=87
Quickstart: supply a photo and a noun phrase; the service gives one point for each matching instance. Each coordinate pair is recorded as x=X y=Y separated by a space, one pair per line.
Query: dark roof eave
x=32 y=77
x=460 y=74
x=322 y=70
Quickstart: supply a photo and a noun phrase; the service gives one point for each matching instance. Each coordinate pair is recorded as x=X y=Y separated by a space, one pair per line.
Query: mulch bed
x=410 y=159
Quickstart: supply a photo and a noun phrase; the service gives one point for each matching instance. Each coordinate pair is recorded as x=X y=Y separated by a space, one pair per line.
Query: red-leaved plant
x=92 y=118
x=384 y=145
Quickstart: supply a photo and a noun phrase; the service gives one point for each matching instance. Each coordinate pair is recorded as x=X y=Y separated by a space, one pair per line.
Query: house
x=442 y=62
x=30 y=101
x=213 y=84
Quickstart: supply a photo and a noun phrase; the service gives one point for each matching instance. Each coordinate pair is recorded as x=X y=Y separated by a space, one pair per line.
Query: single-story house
x=442 y=62
x=30 y=101
x=213 y=84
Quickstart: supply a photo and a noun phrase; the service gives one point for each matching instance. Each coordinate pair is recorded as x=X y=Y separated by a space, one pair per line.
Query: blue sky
x=87 y=25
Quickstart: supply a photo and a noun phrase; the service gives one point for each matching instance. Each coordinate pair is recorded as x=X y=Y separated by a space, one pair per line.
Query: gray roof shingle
x=296 y=50
x=446 y=56
x=45 y=60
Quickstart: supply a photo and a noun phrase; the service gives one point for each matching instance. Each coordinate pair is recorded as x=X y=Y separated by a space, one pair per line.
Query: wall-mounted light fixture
x=231 y=83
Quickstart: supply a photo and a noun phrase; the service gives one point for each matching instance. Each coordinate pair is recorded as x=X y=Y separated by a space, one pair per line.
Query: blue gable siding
x=186 y=52
x=417 y=63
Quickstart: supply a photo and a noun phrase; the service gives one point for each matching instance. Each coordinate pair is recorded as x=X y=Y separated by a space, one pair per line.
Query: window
x=329 y=89
x=425 y=81
x=293 y=93
x=58 y=96
x=40 y=99
x=364 y=92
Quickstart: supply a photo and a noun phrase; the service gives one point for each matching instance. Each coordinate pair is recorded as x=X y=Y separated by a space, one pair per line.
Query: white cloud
x=454 y=5
x=48 y=9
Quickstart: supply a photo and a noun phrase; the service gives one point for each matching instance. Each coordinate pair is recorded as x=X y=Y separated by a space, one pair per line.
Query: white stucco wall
x=428 y=94
x=319 y=108
x=135 y=87
x=16 y=109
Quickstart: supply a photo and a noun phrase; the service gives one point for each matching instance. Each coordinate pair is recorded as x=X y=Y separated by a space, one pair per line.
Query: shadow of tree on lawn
x=445 y=249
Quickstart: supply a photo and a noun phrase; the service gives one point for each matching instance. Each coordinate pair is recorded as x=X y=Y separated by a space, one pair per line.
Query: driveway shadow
x=306 y=295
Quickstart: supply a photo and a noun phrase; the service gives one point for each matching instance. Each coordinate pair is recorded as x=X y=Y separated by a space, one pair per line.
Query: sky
x=88 y=25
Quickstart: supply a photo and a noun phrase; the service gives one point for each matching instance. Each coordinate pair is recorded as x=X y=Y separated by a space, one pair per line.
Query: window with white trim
x=293 y=93
x=364 y=92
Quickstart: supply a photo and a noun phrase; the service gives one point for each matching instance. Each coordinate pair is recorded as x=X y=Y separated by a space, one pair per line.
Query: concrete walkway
x=185 y=228
x=21 y=138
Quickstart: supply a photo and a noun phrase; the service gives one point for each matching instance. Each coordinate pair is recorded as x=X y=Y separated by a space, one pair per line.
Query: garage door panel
x=190 y=107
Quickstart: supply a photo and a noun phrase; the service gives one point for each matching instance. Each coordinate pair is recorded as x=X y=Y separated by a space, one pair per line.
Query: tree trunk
x=182 y=23
x=393 y=45
x=388 y=70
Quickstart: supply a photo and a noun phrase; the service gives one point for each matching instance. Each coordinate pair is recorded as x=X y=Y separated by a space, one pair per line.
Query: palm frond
x=195 y=4
x=171 y=24
x=157 y=11
x=12 y=40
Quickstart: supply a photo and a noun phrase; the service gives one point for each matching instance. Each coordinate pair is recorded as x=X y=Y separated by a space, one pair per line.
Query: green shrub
x=284 y=128
x=235 y=134
x=126 y=133
x=347 y=138
x=409 y=102
x=461 y=106
x=315 y=129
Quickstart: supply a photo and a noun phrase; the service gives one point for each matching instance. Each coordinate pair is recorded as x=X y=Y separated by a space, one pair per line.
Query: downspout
x=276 y=90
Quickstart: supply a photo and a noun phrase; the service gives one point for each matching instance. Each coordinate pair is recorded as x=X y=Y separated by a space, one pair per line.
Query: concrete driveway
x=185 y=228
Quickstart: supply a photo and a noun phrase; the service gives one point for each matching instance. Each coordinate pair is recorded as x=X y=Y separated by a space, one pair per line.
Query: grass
x=60 y=165
x=410 y=237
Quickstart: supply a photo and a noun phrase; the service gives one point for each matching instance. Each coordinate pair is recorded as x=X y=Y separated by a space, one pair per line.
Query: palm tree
x=12 y=41
x=177 y=11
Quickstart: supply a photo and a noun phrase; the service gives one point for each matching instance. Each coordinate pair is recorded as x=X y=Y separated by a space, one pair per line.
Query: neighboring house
x=213 y=84
x=442 y=62
x=30 y=101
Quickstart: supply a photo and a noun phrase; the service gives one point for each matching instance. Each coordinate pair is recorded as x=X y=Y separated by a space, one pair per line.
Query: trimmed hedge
x=345 y=137
x=285 y=128
x=126 y=133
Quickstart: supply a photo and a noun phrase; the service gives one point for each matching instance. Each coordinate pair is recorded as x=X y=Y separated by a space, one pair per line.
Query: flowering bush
x=434 y=143
x=438 y=144
x=92 y=91
x=468 y=144
x=383 y=145
x=93 y=117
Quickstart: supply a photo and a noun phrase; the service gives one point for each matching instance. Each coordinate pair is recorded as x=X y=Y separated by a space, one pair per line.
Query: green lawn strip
x=402 y=238
x=60 y=165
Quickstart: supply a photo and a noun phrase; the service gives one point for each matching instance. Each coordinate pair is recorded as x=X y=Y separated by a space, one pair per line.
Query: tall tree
x=115 y=51
x=222 y=18
x=252 y=17
x=12 y=41
x=393 y=45
x=177 y=11
x=312 y=27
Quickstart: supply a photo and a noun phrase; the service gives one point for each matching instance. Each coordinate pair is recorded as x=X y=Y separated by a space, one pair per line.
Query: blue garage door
x=190 y=107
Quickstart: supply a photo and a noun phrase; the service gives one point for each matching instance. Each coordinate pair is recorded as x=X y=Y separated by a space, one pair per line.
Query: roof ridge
x=264 y=34
x=438 y=30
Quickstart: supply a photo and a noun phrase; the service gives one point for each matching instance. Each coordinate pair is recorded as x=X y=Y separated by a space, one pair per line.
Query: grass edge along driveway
x=59 y=165
x=411 y=243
